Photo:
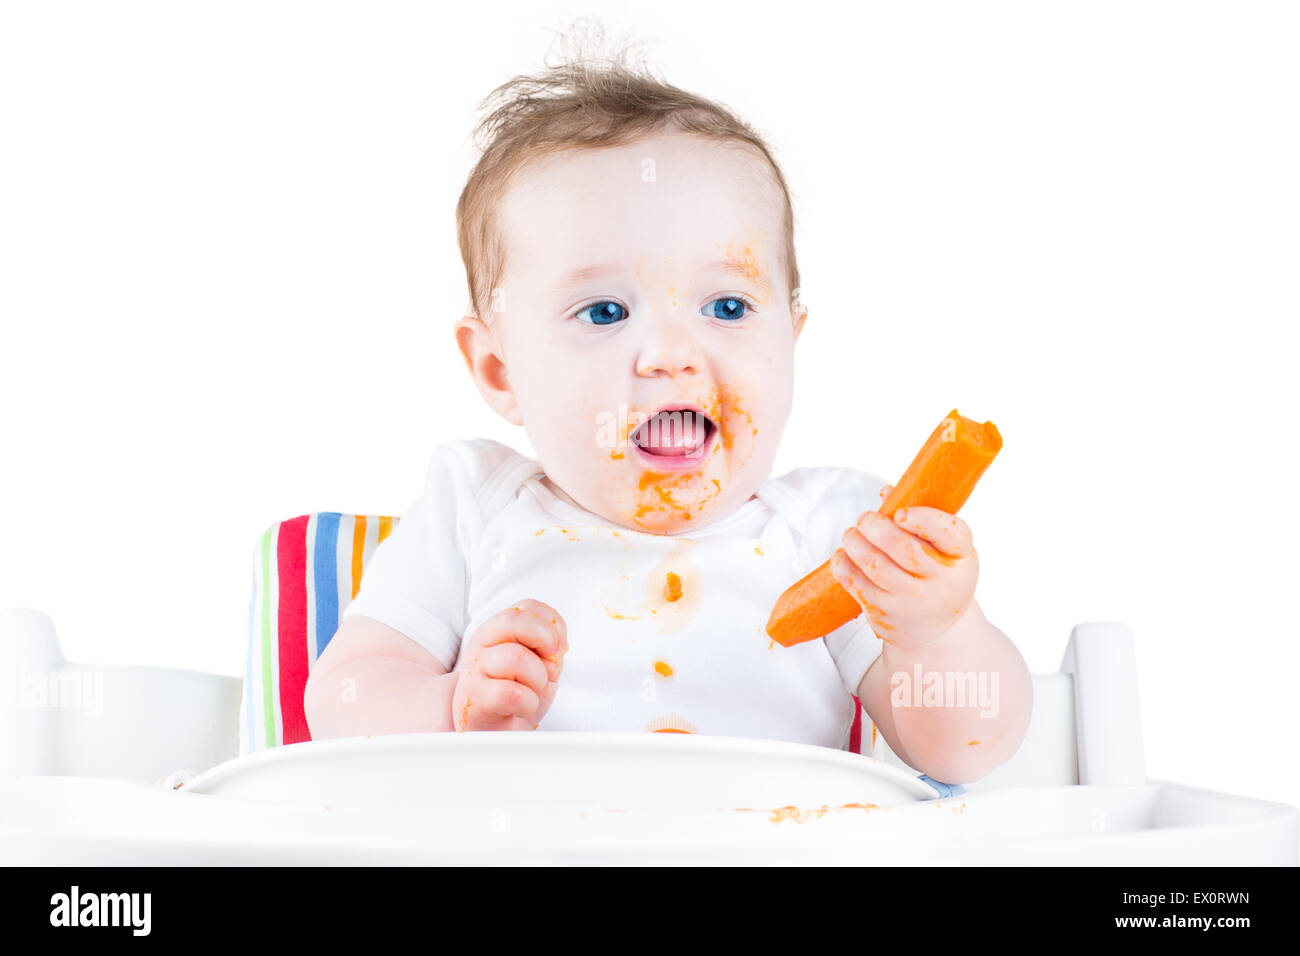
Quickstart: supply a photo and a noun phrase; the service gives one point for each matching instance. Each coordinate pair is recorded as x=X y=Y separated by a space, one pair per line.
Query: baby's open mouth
x=678 y=432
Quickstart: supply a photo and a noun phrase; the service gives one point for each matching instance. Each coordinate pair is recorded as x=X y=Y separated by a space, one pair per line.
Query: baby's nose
x=669 y=349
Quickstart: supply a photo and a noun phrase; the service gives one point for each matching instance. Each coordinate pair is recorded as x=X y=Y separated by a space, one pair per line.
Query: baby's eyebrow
x=740 y=267
x=585 y=274
x=729 y=266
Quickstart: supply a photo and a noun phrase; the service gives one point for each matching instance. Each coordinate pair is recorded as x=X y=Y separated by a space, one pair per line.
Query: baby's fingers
x=948 y=534
x=491 y=701
x=516 y=662
x=531 y=623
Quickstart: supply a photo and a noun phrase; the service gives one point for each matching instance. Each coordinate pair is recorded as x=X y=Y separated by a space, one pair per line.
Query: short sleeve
x=848 y=493
x=416 y=581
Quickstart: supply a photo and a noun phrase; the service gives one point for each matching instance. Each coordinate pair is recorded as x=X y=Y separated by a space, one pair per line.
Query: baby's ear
x=799 y=320
x=484 y=358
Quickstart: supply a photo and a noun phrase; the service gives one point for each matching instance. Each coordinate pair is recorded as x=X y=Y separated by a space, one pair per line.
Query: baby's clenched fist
x=509 y=669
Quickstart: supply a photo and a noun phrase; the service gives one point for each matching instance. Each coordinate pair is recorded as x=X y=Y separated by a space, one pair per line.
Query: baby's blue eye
x=603 y=313
x=729 y=309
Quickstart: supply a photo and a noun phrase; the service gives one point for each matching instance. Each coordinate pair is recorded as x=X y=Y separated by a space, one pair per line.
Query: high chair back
x=306 y=570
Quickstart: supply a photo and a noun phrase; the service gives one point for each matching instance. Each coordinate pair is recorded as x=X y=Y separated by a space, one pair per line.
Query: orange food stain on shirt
x=972 y=743
x=673 y=588
x=617 y=616
x=670 y=724
x=758 y=551
x=616 y=454
x=663 y=669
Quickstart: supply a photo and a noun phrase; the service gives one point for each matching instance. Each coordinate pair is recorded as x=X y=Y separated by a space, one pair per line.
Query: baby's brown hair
x=584 y=102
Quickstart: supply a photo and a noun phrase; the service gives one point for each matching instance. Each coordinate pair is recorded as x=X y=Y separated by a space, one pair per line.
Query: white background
x=228 y=276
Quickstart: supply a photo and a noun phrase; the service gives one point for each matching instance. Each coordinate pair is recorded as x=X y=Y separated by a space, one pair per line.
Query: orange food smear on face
x=673 y=589
x=730 y=399
x=674 y=496
x=657 y=494
x=746 y=263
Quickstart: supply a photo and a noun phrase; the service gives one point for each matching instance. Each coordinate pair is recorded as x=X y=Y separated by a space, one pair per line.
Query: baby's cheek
x=752 y=420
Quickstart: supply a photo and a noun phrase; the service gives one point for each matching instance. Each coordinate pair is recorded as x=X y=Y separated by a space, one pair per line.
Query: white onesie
x=666 y=632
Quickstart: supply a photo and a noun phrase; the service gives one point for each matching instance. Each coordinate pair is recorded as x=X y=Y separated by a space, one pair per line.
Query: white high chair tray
x=611 y=798
x=653 y=773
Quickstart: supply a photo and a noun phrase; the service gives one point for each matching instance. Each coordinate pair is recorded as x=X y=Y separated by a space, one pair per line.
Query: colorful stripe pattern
x=857 y=742
x=305 y=573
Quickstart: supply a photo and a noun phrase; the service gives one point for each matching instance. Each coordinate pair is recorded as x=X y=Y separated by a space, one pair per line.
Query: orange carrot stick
x=942 y=475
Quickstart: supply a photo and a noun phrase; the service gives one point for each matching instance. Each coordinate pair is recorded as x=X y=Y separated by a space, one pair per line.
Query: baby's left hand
x=914 y=575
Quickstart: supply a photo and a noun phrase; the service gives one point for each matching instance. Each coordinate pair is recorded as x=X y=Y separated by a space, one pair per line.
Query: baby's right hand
x=512 y=665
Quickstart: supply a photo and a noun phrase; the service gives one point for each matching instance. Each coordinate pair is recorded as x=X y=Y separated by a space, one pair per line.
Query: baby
x=635 y=307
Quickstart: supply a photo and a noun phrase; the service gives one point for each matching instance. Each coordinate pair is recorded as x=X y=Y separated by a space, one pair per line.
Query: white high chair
x=85 y=748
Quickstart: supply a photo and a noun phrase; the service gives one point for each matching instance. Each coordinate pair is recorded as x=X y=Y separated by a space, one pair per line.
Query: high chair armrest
x=140 y=723
x=1108 y=724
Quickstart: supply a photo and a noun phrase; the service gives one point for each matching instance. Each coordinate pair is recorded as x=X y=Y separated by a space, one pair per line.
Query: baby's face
x=645 y=324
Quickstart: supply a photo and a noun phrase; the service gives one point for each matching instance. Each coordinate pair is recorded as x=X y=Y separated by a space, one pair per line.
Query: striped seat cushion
x=305 y=572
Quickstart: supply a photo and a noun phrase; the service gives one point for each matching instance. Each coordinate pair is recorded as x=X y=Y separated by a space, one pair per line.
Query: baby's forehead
x=672 y=200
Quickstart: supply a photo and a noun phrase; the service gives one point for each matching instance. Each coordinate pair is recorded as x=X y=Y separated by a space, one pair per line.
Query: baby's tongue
x=672 y=433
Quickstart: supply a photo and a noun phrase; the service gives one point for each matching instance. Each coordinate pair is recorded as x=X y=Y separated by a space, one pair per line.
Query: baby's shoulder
x=478 y=470
x=825 y=499
x=822 y=484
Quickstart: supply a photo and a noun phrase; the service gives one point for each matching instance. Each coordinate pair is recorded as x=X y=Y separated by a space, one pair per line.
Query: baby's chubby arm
x=915 y=577
x=372 y=679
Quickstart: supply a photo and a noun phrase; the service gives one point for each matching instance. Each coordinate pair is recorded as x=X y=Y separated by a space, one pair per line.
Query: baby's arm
x=373 y=679
x=949 y=691
x=955 y=744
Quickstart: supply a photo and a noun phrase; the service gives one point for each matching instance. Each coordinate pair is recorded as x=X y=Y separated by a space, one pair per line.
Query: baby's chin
x=660 y=502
